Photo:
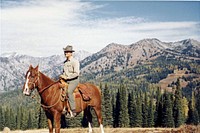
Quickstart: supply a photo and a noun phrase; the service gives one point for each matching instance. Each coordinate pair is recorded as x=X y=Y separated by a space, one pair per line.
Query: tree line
x=122 y=106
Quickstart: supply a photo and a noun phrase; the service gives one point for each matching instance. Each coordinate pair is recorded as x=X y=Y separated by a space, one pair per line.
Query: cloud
x=43 y=28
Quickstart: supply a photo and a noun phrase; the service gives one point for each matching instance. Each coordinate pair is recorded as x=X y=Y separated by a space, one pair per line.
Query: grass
x=182 y=129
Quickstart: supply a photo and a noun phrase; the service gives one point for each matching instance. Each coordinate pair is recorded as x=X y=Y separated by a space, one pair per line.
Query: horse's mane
x=47 y=79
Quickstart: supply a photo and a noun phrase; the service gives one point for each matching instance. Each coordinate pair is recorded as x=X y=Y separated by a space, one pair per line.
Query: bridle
x=41 y=91
x=33 y=83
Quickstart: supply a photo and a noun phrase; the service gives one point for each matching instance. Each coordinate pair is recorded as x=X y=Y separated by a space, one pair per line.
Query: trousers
x=72 y=84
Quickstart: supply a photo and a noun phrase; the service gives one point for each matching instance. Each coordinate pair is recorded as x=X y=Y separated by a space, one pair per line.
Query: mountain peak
x=11 y=54
x=113 y=47
x=151 y=43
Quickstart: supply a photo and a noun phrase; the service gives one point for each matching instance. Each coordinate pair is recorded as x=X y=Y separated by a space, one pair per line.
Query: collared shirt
x=71 y=68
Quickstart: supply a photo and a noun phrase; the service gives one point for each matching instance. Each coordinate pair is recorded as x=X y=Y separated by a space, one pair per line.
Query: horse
x=50 y=92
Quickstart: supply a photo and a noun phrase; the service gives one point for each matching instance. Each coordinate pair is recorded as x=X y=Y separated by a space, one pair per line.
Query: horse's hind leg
x=50 y=122
x=97 y=110
x=88 y=115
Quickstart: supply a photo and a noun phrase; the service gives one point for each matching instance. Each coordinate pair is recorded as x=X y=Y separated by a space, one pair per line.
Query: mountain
x=115 y=57
x=14 y=66
x=111 y=60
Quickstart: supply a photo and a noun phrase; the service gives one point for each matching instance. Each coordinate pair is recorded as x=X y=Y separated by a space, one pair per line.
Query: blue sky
x=44 y=27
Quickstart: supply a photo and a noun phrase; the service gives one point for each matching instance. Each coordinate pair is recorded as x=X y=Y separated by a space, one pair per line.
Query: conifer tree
x=185 y=108
x=42 y=121
x=108 y=120
x=24 y=118
x=19 y=117
x=167 y=114
x=151 y=113
x=123 y=114
x=102 y=104
x=158 y=110
x=138 y=112
x=193 y=116
x=145 y=111
x=1 y=118
x=12 y=120
x=29 y=123
x=116 y=110
x=178 y=109
x=7 y=117
x=198 y=103
x=35 y=116
x=131 y=108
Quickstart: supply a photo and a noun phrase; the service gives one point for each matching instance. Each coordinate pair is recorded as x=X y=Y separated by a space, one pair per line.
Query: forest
x=122 y=106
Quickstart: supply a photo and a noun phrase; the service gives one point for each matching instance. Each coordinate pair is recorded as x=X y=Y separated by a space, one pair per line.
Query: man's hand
x=63 y=77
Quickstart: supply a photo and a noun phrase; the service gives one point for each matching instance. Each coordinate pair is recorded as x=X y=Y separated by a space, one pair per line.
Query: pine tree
x=138 y=114
x=185 y=108
x=193 y=116
x=42 y=121
x=132 y=108
x=2 y=122
x=35 y=116
x=102 y=105
x=29 y=123
x=19 y=117
x=151 y=113
x=145 y=111
x=7 y=117
x=24 y=119
x=167 y=114
x=178 y=109
x=108 y=121
x=158 y=110
x=12 y=120
x=198 y=103
x=123 y=114
x=116 y=110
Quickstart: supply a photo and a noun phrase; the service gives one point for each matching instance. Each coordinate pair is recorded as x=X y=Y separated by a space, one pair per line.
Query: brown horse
x=51 y=95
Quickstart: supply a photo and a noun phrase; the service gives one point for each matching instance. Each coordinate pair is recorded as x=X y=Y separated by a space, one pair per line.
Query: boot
x=71 y=114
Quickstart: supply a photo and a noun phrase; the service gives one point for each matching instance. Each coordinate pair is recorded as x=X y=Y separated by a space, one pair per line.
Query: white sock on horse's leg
x=102 y=130
x=90 y=127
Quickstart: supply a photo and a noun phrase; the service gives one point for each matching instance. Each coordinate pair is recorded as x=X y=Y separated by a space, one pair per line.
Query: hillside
x=116 y=57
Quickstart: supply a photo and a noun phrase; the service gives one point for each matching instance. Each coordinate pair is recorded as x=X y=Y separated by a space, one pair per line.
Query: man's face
x=68 y=54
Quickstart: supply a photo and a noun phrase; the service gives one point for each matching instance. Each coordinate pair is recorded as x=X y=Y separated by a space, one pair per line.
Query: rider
x=71 y=76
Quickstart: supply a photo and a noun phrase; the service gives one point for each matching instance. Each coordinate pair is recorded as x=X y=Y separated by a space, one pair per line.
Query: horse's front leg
x=50 y=122
x=57 y=117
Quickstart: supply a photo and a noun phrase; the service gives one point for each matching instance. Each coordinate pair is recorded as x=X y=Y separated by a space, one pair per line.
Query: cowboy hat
x=68 y=49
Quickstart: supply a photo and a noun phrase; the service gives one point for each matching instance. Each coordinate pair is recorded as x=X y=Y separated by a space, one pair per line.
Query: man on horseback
x=71 y=76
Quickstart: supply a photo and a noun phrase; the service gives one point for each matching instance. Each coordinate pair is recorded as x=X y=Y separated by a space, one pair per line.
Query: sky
x=44 y=27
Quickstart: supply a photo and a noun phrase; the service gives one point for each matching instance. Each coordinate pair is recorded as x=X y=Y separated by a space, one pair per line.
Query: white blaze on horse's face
x=26 y=88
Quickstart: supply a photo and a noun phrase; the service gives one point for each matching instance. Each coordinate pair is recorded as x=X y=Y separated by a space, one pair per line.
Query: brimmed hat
x=68 y=49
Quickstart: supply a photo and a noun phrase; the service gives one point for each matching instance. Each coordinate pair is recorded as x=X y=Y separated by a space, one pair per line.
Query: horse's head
x=31 y=82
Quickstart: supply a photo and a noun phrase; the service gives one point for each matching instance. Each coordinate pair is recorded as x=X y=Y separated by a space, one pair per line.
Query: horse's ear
x=37 y=67
x=30 y=67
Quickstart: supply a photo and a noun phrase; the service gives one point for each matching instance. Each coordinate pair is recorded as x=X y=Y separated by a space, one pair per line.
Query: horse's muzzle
x=26 y=92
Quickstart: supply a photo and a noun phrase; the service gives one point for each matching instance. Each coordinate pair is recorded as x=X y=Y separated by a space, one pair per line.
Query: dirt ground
x=182 y=129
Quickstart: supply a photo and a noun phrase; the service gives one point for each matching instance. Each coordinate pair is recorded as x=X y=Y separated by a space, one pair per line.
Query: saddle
x=81 y=89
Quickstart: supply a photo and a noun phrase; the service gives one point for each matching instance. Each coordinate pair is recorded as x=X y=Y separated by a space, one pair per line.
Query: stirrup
x=70 y=114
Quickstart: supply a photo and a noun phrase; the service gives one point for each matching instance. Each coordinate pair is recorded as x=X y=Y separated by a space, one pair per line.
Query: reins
x=45 y=106
x=41 y=91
